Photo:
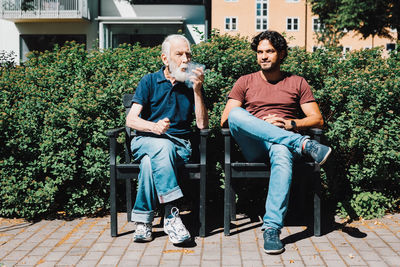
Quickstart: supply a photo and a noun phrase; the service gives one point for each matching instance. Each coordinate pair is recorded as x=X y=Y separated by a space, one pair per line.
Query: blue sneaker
x=317 y=151
x=272 y=243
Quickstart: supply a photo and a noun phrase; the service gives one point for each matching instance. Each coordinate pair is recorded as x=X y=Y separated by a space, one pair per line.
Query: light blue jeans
x=260 y=141
x=159 y=159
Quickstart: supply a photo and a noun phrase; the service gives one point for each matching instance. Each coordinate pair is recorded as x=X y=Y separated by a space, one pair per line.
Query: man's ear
x=164 y=59
x=282 y=55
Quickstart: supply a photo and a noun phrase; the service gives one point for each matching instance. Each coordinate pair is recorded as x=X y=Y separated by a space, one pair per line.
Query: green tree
x=367 y=17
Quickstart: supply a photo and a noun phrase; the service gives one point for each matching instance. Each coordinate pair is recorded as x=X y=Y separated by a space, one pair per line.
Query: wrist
x=293 y=125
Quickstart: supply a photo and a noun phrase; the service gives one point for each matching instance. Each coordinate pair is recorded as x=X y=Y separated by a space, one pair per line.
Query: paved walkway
x=87 y=242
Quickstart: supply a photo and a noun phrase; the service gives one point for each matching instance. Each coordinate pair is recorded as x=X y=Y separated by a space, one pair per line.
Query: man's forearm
x=200 y=111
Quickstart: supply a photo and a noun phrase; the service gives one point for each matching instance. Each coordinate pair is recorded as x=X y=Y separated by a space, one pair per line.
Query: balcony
x=42 y=10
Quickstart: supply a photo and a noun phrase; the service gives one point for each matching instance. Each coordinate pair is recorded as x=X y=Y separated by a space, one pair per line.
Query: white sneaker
x=175 y=229
x=143 y=232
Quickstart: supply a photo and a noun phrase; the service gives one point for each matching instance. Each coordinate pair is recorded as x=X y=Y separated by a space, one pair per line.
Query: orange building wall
x=278 y=11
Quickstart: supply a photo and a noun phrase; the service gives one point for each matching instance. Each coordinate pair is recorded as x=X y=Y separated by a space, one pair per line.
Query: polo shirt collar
x=160 y=77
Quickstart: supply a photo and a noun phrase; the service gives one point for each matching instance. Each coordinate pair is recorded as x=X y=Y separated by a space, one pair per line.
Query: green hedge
x=54 y=111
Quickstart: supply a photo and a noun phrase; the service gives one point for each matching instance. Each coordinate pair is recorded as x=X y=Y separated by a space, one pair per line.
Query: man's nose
x=184 y=58
x=264 y=55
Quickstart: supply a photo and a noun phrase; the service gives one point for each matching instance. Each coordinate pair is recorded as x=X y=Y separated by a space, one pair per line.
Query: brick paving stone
x=86 y=263
x=100 y=247
x=15 y=255
x=46 y=264
x=172 y=255
x=190 y=260
x=109 y=260
x=69 y=260
x=231 y=260
x=392 y=260
x=211 y=263
x=373 y=263
x=168 y=263
x=313 y=260
x=54 y=256
x=29 y=260
x=211 y=255
x=335 y=263
x=115 y=251
x=307 y=251
x=126 y=263
x=40 y=251
x=152 y=261
x=369 y=255
x=252 y=263
x=330 y=255
x=8 y=263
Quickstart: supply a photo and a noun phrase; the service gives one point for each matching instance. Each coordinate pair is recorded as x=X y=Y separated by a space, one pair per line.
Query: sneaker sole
x=326 y=157
x=278 y=251
x=143 y=240
x=174 y=241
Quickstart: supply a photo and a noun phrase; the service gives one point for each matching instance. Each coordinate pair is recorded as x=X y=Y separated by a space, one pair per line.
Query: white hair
x=166 y=45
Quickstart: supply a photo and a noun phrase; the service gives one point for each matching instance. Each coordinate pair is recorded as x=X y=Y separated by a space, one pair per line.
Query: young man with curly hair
x=264 y=111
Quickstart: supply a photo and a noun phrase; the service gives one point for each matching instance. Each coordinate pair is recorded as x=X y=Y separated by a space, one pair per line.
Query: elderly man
x=264 y=113
x=162 y=114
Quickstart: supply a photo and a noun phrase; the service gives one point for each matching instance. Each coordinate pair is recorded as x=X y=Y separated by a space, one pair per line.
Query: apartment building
x=39 y=24
x=293 y=17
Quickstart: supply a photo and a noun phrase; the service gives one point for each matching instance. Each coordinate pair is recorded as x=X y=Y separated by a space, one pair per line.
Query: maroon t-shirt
x=262 y=98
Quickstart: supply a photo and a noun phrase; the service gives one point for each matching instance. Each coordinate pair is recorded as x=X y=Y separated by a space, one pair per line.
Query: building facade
x=292 y=17
x=40 y=24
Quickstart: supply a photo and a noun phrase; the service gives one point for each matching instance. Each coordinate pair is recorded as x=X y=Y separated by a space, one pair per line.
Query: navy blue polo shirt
x=160 y=99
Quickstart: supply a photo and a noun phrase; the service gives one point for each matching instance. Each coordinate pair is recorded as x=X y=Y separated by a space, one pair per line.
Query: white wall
x=194 y=15
x=9 y=37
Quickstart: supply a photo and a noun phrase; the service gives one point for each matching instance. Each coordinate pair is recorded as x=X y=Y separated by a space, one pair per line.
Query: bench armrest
x=114 y=132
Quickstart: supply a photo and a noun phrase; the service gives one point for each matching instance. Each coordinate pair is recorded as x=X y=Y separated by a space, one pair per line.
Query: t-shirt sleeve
x=141 y=95
x=306 y=94
x=238 y=90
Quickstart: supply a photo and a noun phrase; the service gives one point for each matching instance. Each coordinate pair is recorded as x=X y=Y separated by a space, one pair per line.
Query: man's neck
x=168 y=76
x=271 y=76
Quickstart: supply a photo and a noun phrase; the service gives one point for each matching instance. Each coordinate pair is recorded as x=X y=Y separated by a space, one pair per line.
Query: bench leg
x=113 y=204
x=227 y=202
x=128 y=186
x=202 y=209
x=317 y=205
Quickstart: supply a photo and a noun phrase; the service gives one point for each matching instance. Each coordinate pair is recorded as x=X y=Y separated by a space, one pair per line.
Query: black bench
x=235 y=169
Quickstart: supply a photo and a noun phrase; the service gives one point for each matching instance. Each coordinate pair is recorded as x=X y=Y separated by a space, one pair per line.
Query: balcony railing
x=43 y=9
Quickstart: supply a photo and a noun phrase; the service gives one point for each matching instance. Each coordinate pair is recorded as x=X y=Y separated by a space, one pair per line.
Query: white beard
x=176 y=71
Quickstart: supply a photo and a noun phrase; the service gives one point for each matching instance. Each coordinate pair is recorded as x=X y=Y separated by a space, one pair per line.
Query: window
x=346 y=49
x=390 y=46
x=261 y=15
x=167 y=2
x=231 y=23
x=316 y=24
x=34 y=42
x=292 y=24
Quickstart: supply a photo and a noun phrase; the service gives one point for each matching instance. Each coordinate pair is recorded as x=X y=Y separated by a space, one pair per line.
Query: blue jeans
x=260 y=141
x=159 y=159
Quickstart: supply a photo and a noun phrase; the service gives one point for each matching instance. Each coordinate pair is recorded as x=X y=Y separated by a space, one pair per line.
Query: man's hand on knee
x=275 y=120
x=161 y=126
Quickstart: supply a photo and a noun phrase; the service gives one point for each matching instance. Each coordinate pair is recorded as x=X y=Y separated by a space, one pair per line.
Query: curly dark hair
x=276 y=39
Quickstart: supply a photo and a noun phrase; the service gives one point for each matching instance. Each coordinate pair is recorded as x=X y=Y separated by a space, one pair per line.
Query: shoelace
x=176 y=221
